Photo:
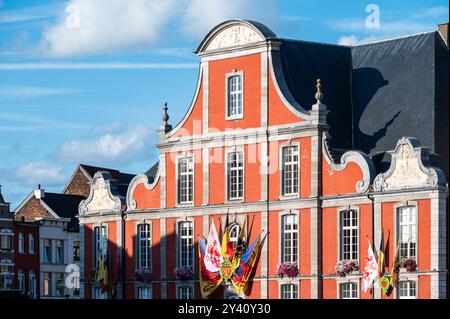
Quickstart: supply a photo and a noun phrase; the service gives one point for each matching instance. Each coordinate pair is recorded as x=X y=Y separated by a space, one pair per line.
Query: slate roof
x=65 y=206
x=116 y=174
x=376 y=92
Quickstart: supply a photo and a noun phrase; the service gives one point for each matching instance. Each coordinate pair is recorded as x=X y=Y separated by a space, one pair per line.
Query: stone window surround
x=227 y=151
x=280 y=242
x=281 y=171
x=340 y=281
x=184 y=154
x=338 y=222
x=410 y=203
x=240 y=73
x=177 y=244
x=136 y=243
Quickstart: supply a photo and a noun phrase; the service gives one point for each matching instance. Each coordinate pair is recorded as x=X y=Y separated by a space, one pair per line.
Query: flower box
x=183 y=273
x=143 y=275
x=409 y=264
x=289 y=270
x=345 y=267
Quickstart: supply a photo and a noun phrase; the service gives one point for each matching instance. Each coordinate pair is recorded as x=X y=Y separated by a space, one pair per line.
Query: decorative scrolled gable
x=137 y=180
x=409 y=168
x=362 y=160
x=103 y=196
x=234 y=33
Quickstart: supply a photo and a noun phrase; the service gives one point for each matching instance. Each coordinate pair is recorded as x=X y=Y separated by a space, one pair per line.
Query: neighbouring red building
x=6 y=247
x=256 y=141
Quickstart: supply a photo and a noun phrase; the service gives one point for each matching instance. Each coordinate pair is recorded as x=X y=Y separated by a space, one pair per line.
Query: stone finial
x=319 y=94
x=165 y=116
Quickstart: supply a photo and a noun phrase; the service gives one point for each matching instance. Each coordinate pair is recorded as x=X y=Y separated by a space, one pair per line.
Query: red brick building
x=6 y=246
x=255 y=142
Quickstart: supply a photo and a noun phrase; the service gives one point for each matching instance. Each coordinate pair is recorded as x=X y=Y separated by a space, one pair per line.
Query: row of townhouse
x=249 y=146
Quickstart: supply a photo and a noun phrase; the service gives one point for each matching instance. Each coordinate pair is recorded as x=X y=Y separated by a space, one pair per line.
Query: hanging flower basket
x=289 y=270
x=143 y=275
x=409 y=263
x=183 y=273
x=345 y=267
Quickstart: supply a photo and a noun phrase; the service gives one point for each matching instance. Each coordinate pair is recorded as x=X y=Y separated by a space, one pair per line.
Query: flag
x=105 y=281
x=226 y=240
x=213 y=257
x=370 y=270
x=394 y=268
x=381 y=256
x=209 y=281
x=100 y=271
x=239 y=246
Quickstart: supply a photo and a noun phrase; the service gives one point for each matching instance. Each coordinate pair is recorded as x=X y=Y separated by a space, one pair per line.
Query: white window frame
x=352 y=228
x=21 y=243
x=61 y=251
x=228 y=93
x=237 y=169
x=408 y=282
x=185 y=292
x=31 y=243
x=411 y=222
x=354 y=293
x=283 y=164
x=49 y=258
x=235 y=229
x=148 y=289
x=148 y=261
x=291 y=257
x=294 y=289
x=180 y=239
x=188 y=175
x=32 y=284
x=61 y=284
x=99 y=241
x=21 y=280
x=98 y=294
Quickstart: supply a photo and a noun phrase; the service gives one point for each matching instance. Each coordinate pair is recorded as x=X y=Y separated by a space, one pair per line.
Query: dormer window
x=235 y=101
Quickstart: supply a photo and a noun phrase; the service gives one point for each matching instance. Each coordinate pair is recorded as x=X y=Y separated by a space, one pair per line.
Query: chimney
x=39 y=192
x=443 y=30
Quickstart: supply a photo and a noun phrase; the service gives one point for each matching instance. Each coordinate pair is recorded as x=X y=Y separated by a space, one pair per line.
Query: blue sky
x=84 y=81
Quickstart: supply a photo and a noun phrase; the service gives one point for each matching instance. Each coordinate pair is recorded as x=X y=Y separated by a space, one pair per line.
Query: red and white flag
x=370 y=270
x=213 y=257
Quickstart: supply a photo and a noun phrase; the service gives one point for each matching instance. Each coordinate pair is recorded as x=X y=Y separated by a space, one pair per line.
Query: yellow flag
x=100 y=273
x=394 y=268
x=239 y=247
x=225 y=241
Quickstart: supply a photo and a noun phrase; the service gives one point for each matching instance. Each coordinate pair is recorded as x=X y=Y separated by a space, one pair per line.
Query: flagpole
x=372 y=199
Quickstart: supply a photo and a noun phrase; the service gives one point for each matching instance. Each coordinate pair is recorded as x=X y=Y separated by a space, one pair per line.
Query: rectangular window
x=47 y=251
x=31 y=243
x=235 y=102
x=76 y=251
x=59 y=258
x=290 y=238
x=185 y=180
x=144 y=246
x=407 y=231
x=235 y=172
x=145 y=293
x=21 y=243
x=6 y=276
x=235 y=230
x=47 y=280
x=32 y=285
x=186 y=240
x=349 y=234
x=348 y=290
x=407 y=290
x=185 y=292
x=5 y=241
x=289 y=291
x=60 y=285
x=101 y=243
x=290 y=170
x=21 y=278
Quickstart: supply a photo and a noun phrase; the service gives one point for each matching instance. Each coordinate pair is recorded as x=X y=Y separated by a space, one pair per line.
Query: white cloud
x=348 y=40
x=200 y=15
x=40 y=172
x=106 y=25
x=94 y=66
x=28 y=92
x=113 y=147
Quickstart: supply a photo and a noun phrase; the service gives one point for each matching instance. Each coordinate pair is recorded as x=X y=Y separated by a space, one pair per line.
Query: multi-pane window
x=348 y=290
x=290 y=238
x=5 y=242
x=407 y=231
x=76 y=251
x=144 y=246
x=47 y=253
x=185 y=292
x=47 y=280
x=144 y=293
x=21 y=243
x=98 y=294
x=185 y=180
x=186 y=240
x=21 y=278
x=349 y=234
x=234 y=234
x=31 y=243
x=235 y=102
x=101 y=243
x=6 y=275
x=32 y=284
x=290 y=160
x=235 y=172
x=289 y=291
x=59 y=258
x=407 y=290
x=60 y=286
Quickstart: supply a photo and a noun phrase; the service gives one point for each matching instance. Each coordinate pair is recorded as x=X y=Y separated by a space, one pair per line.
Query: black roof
x=376 y=92
x=116 y=174
x=151 y=172
x=65 y=206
